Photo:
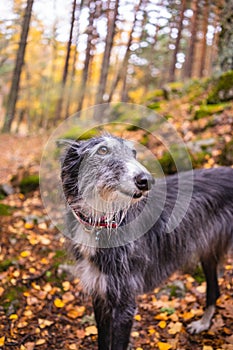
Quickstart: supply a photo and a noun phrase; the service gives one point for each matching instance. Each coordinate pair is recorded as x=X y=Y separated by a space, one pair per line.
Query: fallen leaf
x=207 y=347
x=66 y=285
x=135 y=334
x=138 y=317
x=1 y=291
x=25 y=253
x=91 y=330
x=76 y=312
x=22 y=324
x=164 y=346
x=13 y=317
x=175 y=327
x=2 y=341
x=44 y=323
x=59 y=303
x=162 y=324
x=28 y=225
x=80 y=333
x=40 y=341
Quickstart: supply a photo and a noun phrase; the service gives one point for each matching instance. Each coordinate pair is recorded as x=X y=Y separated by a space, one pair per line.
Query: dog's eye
x=103 y=150
x=134 y=153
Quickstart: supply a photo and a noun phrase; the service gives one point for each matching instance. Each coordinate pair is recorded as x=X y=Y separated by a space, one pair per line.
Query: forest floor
x=42 y=307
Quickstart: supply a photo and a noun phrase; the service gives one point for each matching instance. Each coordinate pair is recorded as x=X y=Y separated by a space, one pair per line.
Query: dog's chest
x=93 y=280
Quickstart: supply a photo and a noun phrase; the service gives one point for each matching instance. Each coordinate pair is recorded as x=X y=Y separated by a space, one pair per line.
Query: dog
x=119 y=223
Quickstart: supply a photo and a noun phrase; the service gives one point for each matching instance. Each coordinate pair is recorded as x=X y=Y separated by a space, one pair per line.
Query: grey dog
x=118 y=218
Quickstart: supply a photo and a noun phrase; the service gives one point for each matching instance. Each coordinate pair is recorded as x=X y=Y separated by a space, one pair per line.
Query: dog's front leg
x=103 y=317
x=122 y=320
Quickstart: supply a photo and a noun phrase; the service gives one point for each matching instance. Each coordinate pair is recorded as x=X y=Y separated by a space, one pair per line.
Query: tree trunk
x=88 y=56
x=112 y=14
x=13 y=95
x=66 y=67
x=203 y=44
x=177 y=43
x=123 y=68
x=191 y=50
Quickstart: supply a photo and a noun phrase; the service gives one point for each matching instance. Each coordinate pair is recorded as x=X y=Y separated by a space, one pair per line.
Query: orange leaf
x=77 y=312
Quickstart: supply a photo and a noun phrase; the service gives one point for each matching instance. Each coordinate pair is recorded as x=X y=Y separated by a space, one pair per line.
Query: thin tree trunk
x=203 y=44
x=123 y=68
x=191 y=50
x=13 y=95
x=73 y=69
x=88 y=56
x=177 y=43
x=112 y=14
x=66 y=66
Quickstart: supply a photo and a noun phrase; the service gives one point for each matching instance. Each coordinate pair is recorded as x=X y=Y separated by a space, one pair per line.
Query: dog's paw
x=197 y=327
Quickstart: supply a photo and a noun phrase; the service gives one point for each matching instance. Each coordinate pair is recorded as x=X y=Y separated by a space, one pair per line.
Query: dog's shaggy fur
x=119 y=218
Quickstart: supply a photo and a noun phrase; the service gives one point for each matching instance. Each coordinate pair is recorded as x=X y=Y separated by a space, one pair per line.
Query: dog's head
x=102 y=178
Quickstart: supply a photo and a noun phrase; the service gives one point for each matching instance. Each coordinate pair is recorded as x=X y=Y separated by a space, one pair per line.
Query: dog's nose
x=143 y=181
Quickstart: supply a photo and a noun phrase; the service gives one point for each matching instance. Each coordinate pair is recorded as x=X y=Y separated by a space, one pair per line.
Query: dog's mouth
x=102 y=221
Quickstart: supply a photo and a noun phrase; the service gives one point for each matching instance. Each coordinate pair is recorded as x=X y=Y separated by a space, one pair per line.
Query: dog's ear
x=61 y=143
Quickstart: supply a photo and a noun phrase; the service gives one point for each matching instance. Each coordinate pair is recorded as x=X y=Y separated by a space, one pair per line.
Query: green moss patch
x=5 y=210
x=226 y=156
x=222 y=90
x=29 y=183
x=208 y=110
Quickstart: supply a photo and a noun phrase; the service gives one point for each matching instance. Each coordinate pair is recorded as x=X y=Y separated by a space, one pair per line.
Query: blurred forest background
x=59 y=57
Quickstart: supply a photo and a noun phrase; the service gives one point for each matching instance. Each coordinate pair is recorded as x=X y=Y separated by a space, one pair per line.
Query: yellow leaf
x=162 y=324
x=28 y=225
x=91 y=330
x=2 y=341
x=137 y=317
x=13 y=317
x=77 y=312
x=139 y=348
x=207 y=347
x=25 y=253
x=175 y=327
x=164 y=346
x=58 y=303
x=44 y=261
x=151 y=331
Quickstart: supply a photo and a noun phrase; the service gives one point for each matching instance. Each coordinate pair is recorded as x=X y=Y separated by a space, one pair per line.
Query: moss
x=144 y=140
x=222 y=90
x=226 y=156
x=199 y=159
x=29 y=183
x=12 y=297
x=167 y=163
x=155 y=105
x=5 y=264
x=5 y=210
x=198 y=274
x=155 y=95
x=80 y=134
x=208 y=110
